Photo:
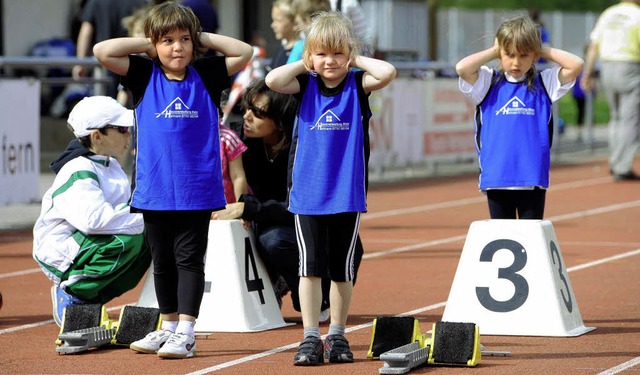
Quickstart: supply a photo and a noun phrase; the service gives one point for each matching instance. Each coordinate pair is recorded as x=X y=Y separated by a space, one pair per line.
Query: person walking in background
x=85 y=240
x=329 y=178
x=615 y=40
x=283 y=24
x=102 y=20
x=513 y=129
x=178 y=179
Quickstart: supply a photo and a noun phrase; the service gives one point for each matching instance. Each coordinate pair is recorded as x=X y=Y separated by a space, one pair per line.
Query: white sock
x=185 y=327
x=169 y=325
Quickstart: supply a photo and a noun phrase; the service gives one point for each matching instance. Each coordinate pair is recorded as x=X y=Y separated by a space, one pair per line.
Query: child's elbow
x=270 y=80
x=577 y=68
x=98 y=51
x=247 y=52
x=460 y=69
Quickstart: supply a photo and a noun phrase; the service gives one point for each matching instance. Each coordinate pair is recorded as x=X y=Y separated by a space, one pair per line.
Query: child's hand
x=231 y=211
x=151 y=51
x=496 y=48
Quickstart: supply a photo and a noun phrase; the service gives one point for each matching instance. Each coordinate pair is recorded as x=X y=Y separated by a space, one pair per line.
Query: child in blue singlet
x=514 y=122
x=177 y=171
x=329 y=171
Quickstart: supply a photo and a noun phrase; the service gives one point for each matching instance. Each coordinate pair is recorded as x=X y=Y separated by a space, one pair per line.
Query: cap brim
x=125 y=119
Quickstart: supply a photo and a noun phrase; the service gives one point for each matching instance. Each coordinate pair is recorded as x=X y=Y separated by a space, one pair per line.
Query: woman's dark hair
x=281 y=108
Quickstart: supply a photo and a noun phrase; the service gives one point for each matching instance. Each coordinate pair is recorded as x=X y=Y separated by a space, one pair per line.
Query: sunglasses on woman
x=120 y=129
x=259 y=113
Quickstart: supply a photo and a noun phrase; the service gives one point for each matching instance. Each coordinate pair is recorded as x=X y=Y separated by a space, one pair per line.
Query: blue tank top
x=178 y=146
x=513 y=135
x=328 y=174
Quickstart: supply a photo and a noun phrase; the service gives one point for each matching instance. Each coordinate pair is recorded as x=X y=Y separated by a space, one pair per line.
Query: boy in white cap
x=86 y=241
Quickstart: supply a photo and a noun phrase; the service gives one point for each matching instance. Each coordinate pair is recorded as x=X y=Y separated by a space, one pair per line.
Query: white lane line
x=596 y=211
x=604 y=260
x=621 y=367
x=19 y=273
x=295 y=344
x=590 y=212
x=478 y=199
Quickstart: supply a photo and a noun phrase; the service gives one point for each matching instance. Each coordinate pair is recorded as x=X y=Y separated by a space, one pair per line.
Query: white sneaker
x=325 y=316
x=178 y=346
x=152 y=342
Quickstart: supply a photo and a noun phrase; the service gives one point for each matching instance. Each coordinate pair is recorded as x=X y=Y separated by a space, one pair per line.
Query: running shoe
x=178 y=346
x=336 y=349
x=61 y=300
x=152 y=342
x=310 y=352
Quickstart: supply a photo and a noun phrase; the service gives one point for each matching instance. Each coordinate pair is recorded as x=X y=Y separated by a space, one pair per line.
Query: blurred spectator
x=580 y=97
x=353 y=10
x=283 y=24
x=304 y=10
x=206 y=13
x=614 y=40
x=101 y=20
x=534 y=13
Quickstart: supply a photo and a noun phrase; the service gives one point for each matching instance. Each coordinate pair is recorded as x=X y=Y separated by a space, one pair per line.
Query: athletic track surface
x=413 y=236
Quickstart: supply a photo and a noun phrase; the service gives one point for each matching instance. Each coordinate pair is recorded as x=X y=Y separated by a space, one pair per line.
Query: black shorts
x=326 y=244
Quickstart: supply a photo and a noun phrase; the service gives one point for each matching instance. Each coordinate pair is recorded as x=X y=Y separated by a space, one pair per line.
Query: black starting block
x=451 y=343
x=85 y=327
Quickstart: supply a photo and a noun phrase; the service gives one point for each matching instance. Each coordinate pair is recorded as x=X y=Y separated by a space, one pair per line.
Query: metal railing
x=99 y=79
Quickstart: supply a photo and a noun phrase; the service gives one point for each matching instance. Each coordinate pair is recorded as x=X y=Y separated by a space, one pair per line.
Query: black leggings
x=178 y=242
x=528 y=204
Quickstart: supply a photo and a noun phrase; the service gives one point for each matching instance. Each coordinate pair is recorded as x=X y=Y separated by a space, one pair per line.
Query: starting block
x=451 y=344
x=511 y=280
x=238 y=295
x=391 y=332
x=84 y=339
x=403 y=359
x=75 y=336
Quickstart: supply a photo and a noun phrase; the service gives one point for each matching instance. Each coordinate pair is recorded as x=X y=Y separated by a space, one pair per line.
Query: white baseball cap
x=96 y=112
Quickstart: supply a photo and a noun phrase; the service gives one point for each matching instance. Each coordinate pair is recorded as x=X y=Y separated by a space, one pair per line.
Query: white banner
x=420 y=121
x=19 y=141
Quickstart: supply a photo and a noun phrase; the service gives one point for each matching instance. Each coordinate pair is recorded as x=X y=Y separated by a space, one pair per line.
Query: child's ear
x=95 y=136
x=306 y=60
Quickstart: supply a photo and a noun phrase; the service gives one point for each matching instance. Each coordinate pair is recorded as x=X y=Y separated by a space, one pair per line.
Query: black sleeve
x=303 y=81
x=362 y=96
x=137 y=77
x=214 y=74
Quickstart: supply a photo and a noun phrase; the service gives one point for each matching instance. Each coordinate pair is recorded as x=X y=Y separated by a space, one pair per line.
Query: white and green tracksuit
x=85 y=239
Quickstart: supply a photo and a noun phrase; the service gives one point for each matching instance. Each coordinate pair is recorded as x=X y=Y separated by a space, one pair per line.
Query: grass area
x=569 y=110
